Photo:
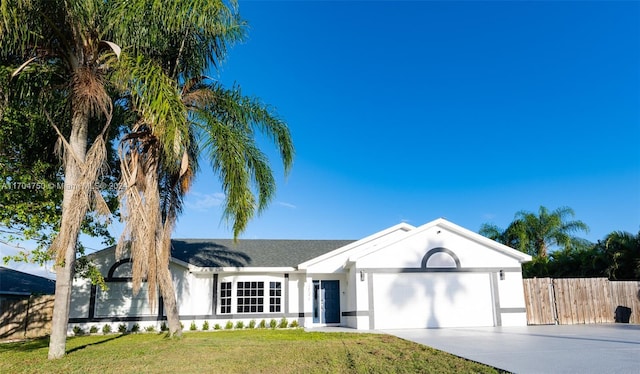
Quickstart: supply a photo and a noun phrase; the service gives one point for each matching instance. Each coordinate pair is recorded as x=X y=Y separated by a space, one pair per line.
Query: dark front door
x=326 y=301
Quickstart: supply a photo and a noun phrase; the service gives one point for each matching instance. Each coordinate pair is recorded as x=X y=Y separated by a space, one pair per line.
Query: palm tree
x=164 y=44
x=65 y=36
x=222 y=124
x=623 y=250
x=511 y=236
x=71 y=38
x=159 y=160
x=535 y=234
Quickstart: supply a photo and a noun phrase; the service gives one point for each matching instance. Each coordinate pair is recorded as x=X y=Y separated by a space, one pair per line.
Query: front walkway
x=610 y=348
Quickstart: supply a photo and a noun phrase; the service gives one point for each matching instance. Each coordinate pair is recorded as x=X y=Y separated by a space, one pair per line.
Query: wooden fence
x=25 y=317
x=580 y=300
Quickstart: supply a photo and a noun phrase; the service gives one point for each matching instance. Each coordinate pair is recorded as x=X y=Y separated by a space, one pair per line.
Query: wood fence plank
x=597 y=297
x=572 y=313
x=579 y=299
x=543 y=296
x=590 y=301
x=526 y=287
x=607 y=303
x=559 y=293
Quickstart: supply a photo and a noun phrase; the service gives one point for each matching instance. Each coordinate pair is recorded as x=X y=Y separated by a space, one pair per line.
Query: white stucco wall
x=295 y=296
x=511 y=293
x=336 y=260
x=79 y=307
x=119 y=300
x=420 y=300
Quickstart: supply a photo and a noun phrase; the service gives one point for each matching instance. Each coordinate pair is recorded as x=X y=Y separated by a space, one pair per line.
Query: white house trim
x=257 y=270
x=371 y=239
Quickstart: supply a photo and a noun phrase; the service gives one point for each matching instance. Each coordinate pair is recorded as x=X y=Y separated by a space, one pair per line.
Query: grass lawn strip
x=255 y=351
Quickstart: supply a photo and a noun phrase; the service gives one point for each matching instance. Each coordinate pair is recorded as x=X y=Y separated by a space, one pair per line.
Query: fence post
x=26 y=316
x=552 y=299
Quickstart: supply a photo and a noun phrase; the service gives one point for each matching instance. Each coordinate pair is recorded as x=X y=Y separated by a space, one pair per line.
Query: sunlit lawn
x=246 y=351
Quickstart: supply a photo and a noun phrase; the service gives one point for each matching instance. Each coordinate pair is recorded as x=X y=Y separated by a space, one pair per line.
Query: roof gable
x=415 y=239
x=520 y=256
x=338 y=257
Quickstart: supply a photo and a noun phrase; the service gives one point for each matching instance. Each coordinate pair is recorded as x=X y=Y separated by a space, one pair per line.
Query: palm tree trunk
x=542 y=252
x=65 y=270
x=169 y=299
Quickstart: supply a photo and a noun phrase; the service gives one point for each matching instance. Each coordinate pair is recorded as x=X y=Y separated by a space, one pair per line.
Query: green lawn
x=246 y=351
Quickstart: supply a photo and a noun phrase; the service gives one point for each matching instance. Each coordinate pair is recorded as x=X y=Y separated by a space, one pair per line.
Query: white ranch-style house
x=432 y=276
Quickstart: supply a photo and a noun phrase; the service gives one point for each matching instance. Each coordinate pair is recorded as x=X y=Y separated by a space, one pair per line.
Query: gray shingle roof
x=251 y=252
x=14 y=282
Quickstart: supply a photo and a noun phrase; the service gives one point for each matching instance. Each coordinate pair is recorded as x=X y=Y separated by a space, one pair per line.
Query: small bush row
x=106 y=329
x=122 y=328
x=282 y=324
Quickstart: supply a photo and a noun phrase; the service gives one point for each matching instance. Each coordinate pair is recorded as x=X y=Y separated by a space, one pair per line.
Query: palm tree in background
x=623 y=250
x=535 y=233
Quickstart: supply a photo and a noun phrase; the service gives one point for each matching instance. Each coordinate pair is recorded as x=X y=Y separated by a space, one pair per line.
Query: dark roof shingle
x=14 y=282
x=251 y=252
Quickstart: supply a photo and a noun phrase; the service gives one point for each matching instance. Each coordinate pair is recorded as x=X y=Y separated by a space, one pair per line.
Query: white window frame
x=266 y=294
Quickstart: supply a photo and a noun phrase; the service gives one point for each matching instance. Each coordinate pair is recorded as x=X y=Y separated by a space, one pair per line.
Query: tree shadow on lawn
x=108 y=339
x=25 y=345
x=40 y=343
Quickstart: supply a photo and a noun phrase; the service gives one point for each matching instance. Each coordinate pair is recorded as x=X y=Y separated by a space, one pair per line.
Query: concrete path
x=611 y=348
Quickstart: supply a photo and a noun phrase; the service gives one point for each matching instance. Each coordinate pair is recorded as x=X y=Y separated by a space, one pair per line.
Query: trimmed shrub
x=283 y=323
x=229 y=325
x=78 y=331
x=273 y=323
x=294 y=323
x=252 y=324
x=239 y=325
x=193 y=326
x=263 y=324
x=93 y=329
x=135 y=328
x=122 y=328
x=106 y=329
x=205 y=326
x=217 y=326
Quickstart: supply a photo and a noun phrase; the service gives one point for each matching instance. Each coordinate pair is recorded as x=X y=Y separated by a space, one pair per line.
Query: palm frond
x=225 y=147
x=156 y=98
x=186 y=37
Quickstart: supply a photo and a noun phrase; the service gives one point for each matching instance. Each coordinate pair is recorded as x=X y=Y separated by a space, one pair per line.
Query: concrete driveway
x=611 y=348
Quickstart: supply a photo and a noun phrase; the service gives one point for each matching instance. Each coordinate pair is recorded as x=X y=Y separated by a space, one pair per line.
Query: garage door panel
x=419 y=300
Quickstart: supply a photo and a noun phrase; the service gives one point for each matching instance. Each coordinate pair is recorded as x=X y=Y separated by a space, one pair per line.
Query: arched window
x=439 y=258
x=121 y=270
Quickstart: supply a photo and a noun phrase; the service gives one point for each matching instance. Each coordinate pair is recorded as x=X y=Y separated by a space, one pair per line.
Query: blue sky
x=410 y=111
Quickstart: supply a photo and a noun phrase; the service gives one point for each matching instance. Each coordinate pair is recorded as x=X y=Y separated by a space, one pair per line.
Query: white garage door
x=419 y=300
